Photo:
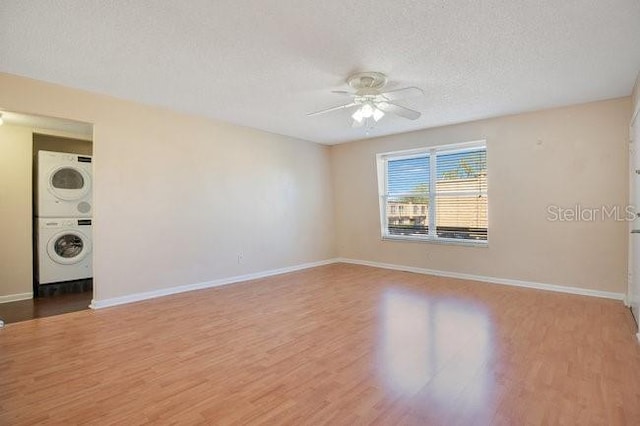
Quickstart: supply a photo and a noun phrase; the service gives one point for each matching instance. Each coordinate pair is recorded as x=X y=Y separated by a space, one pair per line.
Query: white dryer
x=64 y=250
x=64 y=185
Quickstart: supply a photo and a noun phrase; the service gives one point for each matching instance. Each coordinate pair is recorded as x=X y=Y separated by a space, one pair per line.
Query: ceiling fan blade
x=399 y=110
x=342 y=92
x=404 y=93
x=336 y=108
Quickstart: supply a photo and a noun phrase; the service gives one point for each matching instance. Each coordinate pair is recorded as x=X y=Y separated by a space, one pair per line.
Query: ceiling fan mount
x=371 y=102
x=367 y=80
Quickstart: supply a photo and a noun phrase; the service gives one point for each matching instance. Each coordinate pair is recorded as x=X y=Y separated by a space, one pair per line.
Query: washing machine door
x=69 y=183
x=68 y=247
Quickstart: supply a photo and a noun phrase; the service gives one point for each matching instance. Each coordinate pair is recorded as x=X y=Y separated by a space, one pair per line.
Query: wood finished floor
x=338 y=344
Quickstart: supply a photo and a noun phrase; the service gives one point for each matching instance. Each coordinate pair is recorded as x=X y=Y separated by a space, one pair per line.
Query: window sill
x=431 y=240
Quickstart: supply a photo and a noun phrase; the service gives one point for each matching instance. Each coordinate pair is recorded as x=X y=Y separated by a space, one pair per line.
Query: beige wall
x=635 y=95
x=177 y=198
x=15 y=211
x=566 y=156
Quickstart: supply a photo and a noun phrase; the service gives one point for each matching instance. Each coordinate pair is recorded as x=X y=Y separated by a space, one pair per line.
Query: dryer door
x=69 y=183
x=68 y=247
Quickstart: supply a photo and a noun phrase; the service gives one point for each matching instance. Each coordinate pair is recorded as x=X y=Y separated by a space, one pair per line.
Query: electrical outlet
x=240 y=257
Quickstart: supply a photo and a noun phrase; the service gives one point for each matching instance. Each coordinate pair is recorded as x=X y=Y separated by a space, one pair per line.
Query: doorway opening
x=46 y=178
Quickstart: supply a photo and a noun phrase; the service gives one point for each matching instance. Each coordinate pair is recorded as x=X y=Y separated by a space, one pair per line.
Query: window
x=448 y=184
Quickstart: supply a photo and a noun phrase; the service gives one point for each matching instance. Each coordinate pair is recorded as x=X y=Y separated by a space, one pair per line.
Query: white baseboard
x=136 y=297
x=15 y=297
x=493 y=280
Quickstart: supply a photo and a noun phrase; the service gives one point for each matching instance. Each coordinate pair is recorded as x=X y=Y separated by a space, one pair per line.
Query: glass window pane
x=462 y=171
x=407 y=218
x=408 y=178
x=408 y=196
x=461 y=217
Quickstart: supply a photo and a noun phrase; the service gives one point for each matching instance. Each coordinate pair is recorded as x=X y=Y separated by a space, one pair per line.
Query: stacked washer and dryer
x=63 y=208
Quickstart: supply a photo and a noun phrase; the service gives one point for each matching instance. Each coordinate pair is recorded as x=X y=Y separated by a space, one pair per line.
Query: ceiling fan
x=371 y=102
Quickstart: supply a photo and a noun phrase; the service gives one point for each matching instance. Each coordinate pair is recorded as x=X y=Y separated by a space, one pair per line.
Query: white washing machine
x=64 y=185
x=64 y=249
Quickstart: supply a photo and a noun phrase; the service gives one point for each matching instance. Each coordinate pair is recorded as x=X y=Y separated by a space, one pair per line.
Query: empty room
x=306 y=213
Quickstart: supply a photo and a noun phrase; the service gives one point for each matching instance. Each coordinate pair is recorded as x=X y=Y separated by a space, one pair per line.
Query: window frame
x=432 y=151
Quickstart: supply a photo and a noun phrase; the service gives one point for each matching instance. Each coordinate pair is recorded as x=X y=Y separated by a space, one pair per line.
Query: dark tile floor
x=53 y=301
x=65 y=287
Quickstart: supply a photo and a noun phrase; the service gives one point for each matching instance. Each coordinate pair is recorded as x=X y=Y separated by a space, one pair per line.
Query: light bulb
x=367 y=110
x=377 y=114
x=357 y=116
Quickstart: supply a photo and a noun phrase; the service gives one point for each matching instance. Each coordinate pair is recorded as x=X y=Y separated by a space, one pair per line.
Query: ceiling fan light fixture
x=367 y=110
x=357 y=116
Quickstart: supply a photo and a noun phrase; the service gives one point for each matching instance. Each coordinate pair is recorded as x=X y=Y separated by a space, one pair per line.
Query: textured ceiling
x=265 y=63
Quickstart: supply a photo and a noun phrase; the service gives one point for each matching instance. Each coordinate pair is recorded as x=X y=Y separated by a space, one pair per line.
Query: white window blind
x=407 y=187
x=435 y=193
